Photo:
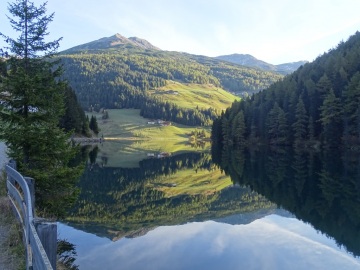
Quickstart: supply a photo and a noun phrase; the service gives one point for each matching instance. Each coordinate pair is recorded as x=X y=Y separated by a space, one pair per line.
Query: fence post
x=22 y=190
x=31 y=184
x=47 y=232
x=12 y=164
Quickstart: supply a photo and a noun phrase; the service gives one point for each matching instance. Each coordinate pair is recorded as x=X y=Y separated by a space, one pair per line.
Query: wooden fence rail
x=40 y=237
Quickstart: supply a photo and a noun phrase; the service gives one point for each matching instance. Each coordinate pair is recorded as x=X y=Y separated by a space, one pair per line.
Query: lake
x=3 y=156
x=238 y=210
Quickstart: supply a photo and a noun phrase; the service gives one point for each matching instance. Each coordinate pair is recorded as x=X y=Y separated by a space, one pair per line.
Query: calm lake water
x=3 y=156
x=272 y=210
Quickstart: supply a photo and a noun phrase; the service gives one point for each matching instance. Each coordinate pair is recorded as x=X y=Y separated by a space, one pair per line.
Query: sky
x=275 y=31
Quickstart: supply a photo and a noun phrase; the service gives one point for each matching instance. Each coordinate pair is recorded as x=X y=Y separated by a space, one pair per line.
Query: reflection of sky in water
x=3 y=157
x=273 y=242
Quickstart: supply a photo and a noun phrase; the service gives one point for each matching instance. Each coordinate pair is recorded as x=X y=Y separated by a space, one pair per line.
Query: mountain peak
x=246 y=60
x=251 y=61
x=115 y=41
x=119 y=36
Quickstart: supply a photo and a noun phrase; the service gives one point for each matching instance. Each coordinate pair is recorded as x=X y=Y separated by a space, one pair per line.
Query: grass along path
x=12 y=251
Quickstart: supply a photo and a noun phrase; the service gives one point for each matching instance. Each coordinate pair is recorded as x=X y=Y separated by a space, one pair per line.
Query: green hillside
x=316 y=105
x=194 y=95
x=117 y=73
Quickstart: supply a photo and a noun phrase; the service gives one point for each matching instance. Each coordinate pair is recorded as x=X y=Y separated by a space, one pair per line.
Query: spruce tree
x=301 y=121
x=35 y=104
x=93 y=125
x=276 y=125
x=226 y=132
x=330 y=113
x=351 y=97
x=74 y=119
x=239 y=129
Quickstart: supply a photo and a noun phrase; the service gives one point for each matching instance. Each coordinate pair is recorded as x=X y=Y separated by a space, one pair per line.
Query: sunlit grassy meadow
x=129 y=138
x=192 y=95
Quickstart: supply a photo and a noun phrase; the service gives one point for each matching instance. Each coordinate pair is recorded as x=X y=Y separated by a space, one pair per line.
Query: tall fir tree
x=330 y=113
x=93 y=125
x=300 y=124
x=276 y=125
x=34 y=104
x=226 y=132
x=239 y=129
x=351 y=97
x=74 y=120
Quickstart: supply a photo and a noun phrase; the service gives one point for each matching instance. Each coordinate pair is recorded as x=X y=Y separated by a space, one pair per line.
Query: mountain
x=142 y=43
x=317 y=105
x=246 y=60
x=249 y=217
x=115 y=41
x=117 y=72
x=288 y=68
x=251 y=61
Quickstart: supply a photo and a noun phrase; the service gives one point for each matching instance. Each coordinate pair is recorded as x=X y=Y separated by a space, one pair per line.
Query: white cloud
x=270 y=243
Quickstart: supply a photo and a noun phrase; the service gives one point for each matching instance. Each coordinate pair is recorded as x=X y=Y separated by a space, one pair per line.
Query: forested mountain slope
x=117 y=72
x=319 y=103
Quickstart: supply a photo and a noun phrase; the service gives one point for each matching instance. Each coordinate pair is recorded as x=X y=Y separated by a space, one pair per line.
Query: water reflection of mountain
x=118 y=202
x=322 y=189
x=246 y=218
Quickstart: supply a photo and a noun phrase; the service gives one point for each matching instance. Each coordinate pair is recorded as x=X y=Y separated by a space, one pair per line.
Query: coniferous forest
x=319 y=104
x=120 y=78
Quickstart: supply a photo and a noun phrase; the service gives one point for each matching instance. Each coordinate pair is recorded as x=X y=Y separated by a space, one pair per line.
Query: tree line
x=317 y=187
x=116 y=79
x=157 y=109
x=319 y=104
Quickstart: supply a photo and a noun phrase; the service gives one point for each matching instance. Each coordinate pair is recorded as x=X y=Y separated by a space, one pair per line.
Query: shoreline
x=85 y=140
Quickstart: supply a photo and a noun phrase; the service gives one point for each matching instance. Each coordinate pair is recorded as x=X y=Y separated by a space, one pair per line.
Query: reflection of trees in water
x=320 y=188
x=93 y=154
x=124 y=199
x=66 y=255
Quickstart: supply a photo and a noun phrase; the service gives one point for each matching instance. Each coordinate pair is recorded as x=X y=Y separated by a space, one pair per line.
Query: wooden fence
x=40 y=237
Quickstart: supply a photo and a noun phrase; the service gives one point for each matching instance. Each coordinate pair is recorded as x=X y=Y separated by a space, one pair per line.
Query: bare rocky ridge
x=115 y=41
x=143 y=43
